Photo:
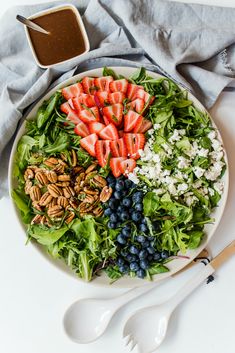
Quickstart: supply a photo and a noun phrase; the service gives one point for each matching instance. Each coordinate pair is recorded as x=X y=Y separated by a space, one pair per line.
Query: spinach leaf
x=195 y=238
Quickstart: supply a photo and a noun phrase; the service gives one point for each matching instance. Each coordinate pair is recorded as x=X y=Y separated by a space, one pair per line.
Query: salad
x=118 y=175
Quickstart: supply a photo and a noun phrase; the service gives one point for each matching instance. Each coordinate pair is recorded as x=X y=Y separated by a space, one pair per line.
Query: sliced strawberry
x=131 y=119
x=72 y=91
x=102 y=150
x=142 y=94
x=90 y=114
x=65 y=107
x=70 y=101
x=106 y=120
x=114 y=113
x=88 y=143
x=102 y=83
x=81 y=129
x=134 y=143
x=116 y=97
x=88 y=84
x=96 y=127
x=72 y=115
x=132 y=90
x=109 y=132
x=87 y=99
x=137 y=105
x=101 y=98
x=119 y=85
x=127 y=166
x=143 y=127
x=118 y=148
x=115 y=166
x=77 y=104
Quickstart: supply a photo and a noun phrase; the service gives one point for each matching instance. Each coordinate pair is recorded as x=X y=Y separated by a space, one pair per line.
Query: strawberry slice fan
x=109 y=116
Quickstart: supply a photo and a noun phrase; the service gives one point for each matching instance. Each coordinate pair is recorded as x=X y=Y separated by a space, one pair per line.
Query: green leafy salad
x=118 y=175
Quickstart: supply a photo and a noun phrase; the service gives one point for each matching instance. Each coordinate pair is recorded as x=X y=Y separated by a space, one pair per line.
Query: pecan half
x=53 y=202
x=64 y=177
x=45 y=199
x=28 y=186
x=68 y=192
x=55 y=211
x=91 y=168
x=35 y=193
x=36 y=219
x=80 y=178
x=99 y=181
x=63 y=184
x=98 y=211
x=105 y=193
x=73 y=203
x=41 y=178
x=77 y=169
x=28 y=174
x=36 y=205
x=69 y=217
x=51 y=162
x=73 y=158
x=52 y=176
x=54 y=190
x=90 y=191
x=62 y=201
x=77 y=188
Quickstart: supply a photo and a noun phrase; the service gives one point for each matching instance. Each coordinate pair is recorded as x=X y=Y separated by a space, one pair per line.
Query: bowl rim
x=80 y=24
x=126 y=281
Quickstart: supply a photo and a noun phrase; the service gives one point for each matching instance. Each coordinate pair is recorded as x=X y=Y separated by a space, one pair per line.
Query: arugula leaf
x=24 y=147
x=195 y=238
x=61 y=143
x=46 y=110
x=151 y=203
x=109 y=72
x=46 y=236
x=157 y=268
x=22 y=203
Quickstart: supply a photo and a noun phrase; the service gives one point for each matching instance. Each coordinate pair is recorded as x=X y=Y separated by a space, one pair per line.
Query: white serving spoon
x=147 y=327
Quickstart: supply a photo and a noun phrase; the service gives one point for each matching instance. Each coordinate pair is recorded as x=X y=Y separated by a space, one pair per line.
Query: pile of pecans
x=61 y=189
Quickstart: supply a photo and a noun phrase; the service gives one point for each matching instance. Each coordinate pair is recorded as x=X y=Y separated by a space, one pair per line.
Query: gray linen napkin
x=193 y=44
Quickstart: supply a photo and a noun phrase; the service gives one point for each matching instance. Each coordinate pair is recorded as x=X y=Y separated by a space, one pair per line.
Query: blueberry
x=118 y=195
x=113 y=217
x=111 y=225
x=145 y=244
x=119 y=185
x=164 y=254
x=144 y=221
x=124 y=268
x=136 y=216
x=140 y=273
x=134 y=250
x=143 y=254
x=120 y=261
x=143 y=228
x=151 y=238
x=121 y=239
x=157 y=256
x=126 y=232
x=137 y=196
x=107 y=212
x=131 y=258
x=113 y=204
x=139 y=207
x=124 y=216
x=134 y=266
x=126 y=202
x=144 y=264
x=140 y=238
x=110 y=179
x=129 y=184
x=150 y=258
x=150 y=250
x=120 y=209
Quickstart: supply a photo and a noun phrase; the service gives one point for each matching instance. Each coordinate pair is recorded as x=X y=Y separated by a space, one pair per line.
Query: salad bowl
x=176 y=263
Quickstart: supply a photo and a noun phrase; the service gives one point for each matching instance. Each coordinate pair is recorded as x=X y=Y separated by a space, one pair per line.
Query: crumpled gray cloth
x=193 y=44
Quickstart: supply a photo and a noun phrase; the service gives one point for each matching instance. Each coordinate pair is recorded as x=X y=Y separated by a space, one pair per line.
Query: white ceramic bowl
x=61 y=64
x=174 y=265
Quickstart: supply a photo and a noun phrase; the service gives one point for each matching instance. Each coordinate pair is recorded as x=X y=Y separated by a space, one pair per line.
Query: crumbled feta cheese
x=151 y=132
x=172 y=189
x=212 y=135
x=190 y=200
x=167 y=148
x=174 y=137
x=211 y=191
x=133 y=177
x=202 y=152
x=157 y=126
x=216 y=145
x=197 y=184
x=183 y=162
x=214 y=171
x=182 y=187
x=219 y=186
x=159 y=191
x=198 y=171
x=217 y=155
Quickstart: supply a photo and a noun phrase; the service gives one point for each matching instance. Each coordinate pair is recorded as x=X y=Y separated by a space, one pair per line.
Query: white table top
x=34 y=295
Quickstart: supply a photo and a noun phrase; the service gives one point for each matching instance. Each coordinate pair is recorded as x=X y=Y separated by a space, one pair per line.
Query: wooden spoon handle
x=223 y=255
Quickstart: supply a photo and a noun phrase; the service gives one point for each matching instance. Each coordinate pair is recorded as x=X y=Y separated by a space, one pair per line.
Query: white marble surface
x=34 y=295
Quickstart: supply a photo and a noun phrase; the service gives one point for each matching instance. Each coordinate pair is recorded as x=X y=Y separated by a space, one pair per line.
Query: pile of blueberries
x=136 y=253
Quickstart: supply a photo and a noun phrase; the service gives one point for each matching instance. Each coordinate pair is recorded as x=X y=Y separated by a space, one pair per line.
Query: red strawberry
x=134 y=143
x=65 y=107
x=81 y=130
x=87 y=99
x=114 y=113
x=127 y=166
x=109 y=132
x=131 y=119
x=90 y=114
x=102 y=83
x=77 y=104
x=101 y=98
x=71 y=113
x=88 y=143
x=132 y=90
x=116 y=97
x=119 y=85
x=72 y=91
x=148 y=99
x=88 y=84
x=115 y=166
x=137 y=105
x=96 y=127
x=70 y=101
x=120 y=133
x=102 y=150
x=106 y=120
x=145 y=126
x=118 y=148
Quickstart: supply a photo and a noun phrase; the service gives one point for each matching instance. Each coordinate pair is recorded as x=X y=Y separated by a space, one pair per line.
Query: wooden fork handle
x=224 y=255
